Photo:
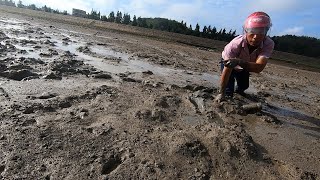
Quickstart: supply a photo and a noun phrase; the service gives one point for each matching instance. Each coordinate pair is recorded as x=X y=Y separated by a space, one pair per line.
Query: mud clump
x=235 y=142
x=167 y=101
x=70 y=67
x=102 y=75
x=155 y=115
x=193 y=149
x=3 y=36
x=19 y=75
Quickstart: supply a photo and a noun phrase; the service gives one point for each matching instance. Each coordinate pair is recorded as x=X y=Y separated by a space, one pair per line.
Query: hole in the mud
x=2 y=168
x=47 y=177
x=90 y=130
x=193 y=149
x=111 y=164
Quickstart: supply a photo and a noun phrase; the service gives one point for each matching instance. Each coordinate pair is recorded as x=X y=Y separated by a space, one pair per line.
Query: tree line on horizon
x=302 y=45
x=164 y=24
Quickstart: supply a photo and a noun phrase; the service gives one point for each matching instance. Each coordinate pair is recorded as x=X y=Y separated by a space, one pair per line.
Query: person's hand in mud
x=219 y=98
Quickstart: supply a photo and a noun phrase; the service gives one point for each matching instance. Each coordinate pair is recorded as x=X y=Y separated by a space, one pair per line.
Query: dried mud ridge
x=127 y=125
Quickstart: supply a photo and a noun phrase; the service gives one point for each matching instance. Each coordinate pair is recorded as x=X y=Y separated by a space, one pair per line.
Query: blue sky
x=297 y=17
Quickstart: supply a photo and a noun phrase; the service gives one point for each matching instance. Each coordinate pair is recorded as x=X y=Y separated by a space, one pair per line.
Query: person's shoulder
x=237 y=40
x=268 y=41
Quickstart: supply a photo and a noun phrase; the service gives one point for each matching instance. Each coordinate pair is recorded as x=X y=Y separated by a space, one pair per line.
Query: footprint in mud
x=155 y=115
x=110 y=164
x=288 y=171
x=189 y=150
x=3 y=93
x=102 y=75
x=193 y=149
x=2 y=168
x=236 y=142
x=168 y=101
x=49 y=54
x=84 y=49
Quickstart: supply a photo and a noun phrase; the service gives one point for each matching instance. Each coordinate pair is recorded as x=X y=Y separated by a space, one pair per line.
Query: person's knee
x=242 y=84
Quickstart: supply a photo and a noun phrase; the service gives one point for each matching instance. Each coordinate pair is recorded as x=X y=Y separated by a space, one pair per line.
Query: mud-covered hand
x=219 y=98
x=231 y=63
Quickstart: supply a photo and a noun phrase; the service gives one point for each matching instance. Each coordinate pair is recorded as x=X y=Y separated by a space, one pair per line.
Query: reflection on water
x=106 y=59
x=292 y=114
x=11 y=24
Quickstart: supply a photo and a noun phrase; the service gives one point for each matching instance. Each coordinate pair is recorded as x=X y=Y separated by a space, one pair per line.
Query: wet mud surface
x=83 y=103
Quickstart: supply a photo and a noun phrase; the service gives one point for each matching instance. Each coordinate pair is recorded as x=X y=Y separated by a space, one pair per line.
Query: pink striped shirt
x=238 y=48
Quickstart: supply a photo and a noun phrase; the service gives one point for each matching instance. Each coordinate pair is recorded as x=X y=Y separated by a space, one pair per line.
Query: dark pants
x=242 y=78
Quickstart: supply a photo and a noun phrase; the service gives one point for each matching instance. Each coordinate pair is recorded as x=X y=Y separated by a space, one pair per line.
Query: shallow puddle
x=106 y=59
x=294 y=116
x=11 y=24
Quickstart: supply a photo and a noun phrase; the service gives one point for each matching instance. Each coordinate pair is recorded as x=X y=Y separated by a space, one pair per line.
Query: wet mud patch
x=49 y=102
x=70 y=67
x=185 y=149
x=3 y=36
x=235 y=142
x=20 y=68
x=162 y=109
x=288 y=171
x=19 y=75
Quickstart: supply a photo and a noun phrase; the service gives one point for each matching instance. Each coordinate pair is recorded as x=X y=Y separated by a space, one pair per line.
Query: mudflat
x=83 y=99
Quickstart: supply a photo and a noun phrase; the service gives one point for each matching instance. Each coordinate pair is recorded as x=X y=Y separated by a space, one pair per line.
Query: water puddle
x=11 y=24
x=295 y=117
x=30 y=52
x=106 y=59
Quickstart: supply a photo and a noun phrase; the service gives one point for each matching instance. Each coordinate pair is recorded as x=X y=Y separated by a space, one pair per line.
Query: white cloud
x=293 y=31
x=68 y=5
x=183 y=11
x=281 y=5
x=143 y=8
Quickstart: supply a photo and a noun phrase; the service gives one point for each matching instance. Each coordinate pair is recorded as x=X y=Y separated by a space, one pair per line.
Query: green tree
x=134 y=21
x=20 y=5
x=56 y=11
x=126 y=19
x=94 y=15
x=104 y=18
x=46 y=9
x=119 y=17
x=197 y=30
x=142 y=22
x=111 y=17
x=204 y=32
x=32 y=6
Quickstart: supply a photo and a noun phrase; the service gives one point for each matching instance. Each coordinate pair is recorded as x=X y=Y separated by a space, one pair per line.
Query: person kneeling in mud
x=244 y=54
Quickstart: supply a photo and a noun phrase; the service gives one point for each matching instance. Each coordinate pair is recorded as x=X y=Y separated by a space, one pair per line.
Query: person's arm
x=225 y=75
x=257 y=66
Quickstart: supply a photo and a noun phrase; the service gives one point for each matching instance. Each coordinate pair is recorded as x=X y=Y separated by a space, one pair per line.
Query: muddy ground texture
x=81 y=103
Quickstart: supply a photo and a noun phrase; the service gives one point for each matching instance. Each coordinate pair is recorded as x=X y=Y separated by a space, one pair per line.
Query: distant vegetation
x=302 y=45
